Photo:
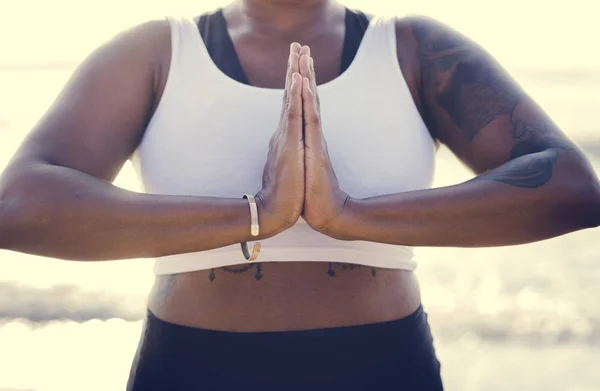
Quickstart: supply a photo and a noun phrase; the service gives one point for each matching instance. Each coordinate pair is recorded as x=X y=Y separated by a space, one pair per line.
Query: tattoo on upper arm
x=473 y=90
x=474 y=98
x=239 y=269
x=524 y=169
x=467 y=84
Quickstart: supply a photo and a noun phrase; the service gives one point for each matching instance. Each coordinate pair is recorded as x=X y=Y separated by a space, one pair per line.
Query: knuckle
x=293 y=60
x=323 y=158
x=292 y=113
x=315 y=120
x=286 y=103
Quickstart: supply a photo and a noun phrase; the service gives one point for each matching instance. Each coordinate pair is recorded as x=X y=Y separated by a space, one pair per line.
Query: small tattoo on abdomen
x=347 y=266
x=239 y=270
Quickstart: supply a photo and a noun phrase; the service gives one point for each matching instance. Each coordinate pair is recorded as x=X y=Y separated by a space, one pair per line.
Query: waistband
x=404 y=324
x=304 y=358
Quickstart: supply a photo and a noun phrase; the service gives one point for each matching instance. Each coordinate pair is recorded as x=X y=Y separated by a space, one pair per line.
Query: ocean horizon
x=528 y=310
x=511 y=318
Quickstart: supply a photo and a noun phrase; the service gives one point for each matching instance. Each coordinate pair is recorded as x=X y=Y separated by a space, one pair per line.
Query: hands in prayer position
x=298 y=179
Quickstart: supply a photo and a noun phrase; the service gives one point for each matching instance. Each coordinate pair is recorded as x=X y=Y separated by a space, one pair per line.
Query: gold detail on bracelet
x=255 y=251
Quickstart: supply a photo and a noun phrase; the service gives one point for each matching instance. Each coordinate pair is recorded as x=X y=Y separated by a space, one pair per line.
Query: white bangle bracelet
x=254 y=229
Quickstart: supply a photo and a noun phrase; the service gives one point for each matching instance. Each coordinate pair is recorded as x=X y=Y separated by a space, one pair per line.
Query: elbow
x=593 y=220
x=6 y=218
x=3 y=226
x=16 y=215
x=585 y=204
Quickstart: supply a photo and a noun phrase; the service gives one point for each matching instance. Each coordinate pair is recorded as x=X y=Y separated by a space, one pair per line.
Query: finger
x=295 y=61
x=291 y=68
x=312 y=117
x=304 y=64
x=292 y=64
x=295 y=47
x=294 y=108
x=313 y=82
x=305 y=50
x=307 y=69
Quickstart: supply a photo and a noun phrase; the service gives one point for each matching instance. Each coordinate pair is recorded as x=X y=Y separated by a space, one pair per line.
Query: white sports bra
x=215 y=144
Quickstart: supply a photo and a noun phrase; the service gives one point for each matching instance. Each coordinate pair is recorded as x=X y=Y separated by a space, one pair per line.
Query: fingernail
x=294 y=77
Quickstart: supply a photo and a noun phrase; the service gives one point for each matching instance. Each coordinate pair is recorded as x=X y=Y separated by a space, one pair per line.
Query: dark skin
x=534 y=185
x=533 y=182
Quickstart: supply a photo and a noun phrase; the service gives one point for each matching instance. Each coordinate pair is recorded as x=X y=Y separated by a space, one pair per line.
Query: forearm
x=482 y=212
x=59 y=212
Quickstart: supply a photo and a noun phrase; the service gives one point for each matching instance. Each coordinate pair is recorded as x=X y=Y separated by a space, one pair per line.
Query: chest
x=217 y=145
x=210 y=134
x=265 y=61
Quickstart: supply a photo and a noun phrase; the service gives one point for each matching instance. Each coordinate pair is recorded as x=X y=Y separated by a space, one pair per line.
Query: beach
x=513 y=318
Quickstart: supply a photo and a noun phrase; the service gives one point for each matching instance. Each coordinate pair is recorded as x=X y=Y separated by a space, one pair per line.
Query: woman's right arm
x=56 y=196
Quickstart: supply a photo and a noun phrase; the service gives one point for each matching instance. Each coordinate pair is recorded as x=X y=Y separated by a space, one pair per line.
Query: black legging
x=394 y=355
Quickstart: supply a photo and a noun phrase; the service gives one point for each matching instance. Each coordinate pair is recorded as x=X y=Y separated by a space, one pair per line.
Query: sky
x=529 y=33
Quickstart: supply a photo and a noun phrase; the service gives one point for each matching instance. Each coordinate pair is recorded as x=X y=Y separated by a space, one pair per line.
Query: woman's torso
x=286 y=295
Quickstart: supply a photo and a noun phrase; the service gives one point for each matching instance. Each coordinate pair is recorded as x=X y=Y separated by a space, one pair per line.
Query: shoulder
x=145 y=47
x=418 y=36
x=420 y=40
x=145 y=39
x=431 y=43
x=407 y=51
x=417 y=28
x=406 y=43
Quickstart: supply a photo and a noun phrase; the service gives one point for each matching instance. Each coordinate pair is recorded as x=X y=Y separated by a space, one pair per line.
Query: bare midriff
x=287 y=296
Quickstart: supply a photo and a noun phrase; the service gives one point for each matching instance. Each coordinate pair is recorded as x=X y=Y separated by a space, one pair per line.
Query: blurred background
x=518 y=318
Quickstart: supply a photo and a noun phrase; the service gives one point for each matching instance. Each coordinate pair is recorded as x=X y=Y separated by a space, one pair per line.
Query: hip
x=389 y=355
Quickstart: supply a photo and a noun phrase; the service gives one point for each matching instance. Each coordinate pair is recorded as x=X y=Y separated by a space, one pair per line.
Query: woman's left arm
x=533 y=183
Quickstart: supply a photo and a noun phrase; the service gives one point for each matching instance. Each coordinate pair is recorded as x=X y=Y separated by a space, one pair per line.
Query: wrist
x=268 y=222
x=343 y=226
